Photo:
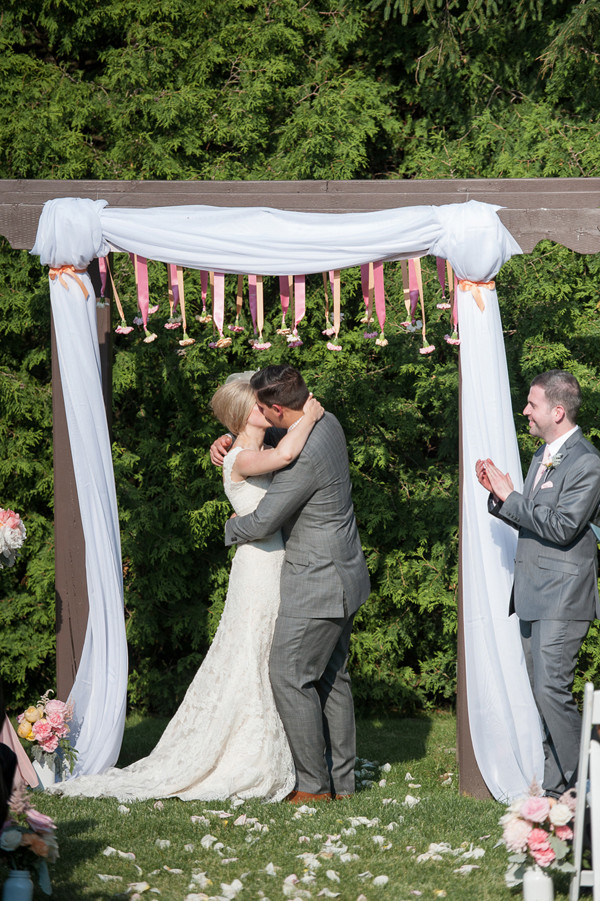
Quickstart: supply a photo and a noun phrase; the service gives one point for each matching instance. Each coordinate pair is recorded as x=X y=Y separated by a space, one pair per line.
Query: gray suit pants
x=312 y=689
x=551 y=649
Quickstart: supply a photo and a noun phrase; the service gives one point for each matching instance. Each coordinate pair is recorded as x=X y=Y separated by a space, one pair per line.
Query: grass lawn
x=343 y=855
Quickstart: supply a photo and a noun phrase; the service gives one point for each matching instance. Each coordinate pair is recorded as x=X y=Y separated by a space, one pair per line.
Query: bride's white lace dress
x=226 y=740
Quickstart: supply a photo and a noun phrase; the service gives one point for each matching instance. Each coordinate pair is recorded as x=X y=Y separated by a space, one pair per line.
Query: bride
x=226 y=739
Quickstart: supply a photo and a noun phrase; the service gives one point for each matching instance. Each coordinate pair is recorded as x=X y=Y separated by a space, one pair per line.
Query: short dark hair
x=562 y=388
x=280 y=385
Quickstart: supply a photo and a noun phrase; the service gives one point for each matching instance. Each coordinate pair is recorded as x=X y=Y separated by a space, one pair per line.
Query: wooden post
x=470 y=780
x=69 y=544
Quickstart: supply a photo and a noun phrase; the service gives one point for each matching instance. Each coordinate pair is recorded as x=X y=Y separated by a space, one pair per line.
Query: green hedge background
x=323 y=89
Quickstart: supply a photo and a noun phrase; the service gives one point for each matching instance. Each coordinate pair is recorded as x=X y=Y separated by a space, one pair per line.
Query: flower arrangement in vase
x=537 y=830
x=28 y=838
x=12 y=536
x=45 y=725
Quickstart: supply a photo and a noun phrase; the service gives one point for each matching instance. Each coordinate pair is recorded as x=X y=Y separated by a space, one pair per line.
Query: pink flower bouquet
x=538 y=830
x=46 y=727
x=12 y=536
x=28 y=838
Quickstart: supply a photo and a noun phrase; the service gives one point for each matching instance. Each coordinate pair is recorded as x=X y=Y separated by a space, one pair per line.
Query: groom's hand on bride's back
x=219 y=448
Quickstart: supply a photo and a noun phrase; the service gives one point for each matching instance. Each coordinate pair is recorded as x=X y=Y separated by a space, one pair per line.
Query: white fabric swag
x=503 y=718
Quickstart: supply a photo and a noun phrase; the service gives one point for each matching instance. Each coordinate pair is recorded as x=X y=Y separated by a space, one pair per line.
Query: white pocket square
x=547 y=485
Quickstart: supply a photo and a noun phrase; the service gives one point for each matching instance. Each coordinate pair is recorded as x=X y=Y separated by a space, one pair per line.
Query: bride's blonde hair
x=232 y=404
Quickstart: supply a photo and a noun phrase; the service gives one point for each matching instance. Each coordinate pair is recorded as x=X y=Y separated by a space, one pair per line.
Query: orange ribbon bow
x=465 y=285
x=61 y=271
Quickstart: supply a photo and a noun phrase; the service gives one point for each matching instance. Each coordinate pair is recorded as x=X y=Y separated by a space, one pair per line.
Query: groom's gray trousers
x=312 y=689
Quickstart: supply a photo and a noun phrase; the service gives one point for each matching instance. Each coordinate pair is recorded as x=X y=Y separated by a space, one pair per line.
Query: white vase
x=18 y=886
x=45 y=770
x=537 y=885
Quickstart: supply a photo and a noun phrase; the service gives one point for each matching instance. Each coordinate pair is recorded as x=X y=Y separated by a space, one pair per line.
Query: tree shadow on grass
x=392 y=739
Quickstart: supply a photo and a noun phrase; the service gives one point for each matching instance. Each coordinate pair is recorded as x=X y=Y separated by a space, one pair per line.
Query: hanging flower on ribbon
x=237 y=329
x=368 y=291
x=286 y=291
x=174 y=320
x=259 y=344
x=122 y=328
x=204 y=318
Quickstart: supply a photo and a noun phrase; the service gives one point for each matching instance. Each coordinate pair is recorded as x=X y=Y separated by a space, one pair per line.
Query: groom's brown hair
x=280 y=385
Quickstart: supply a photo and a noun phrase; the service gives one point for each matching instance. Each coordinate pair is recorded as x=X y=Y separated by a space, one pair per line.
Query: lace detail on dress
x=226 y=740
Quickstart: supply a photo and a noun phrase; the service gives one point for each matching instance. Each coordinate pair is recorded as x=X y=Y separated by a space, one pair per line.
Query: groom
x=324 y=580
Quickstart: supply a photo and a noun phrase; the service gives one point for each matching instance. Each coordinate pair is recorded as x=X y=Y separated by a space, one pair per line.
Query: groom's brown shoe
x=296 y=797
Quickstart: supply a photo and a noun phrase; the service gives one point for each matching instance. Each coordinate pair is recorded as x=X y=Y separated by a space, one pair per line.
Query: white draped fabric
x=503 y=717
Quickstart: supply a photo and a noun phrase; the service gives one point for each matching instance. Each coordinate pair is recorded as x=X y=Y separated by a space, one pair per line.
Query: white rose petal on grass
x=304 y=839
x=332 y=876
x=387 y=801
x=158 y=805
x=271 y=869
x=201 y=819
x=382 y=783
x=394 y=825
x=408 y=778
x=222 y=814
x=200 y=880
x=327 y=893
x=238 y=802
x=227 y=860
x=366 y=875
x=189 y=848
x=411 y=801
x=162 y=843
x=196 y=896
x=386 y=768
x=414 y=785
x=109 y=851
x=381 y=880
x=138 y=887
x=126 y=855
x=474 y=853
x=173 y=871
x=347 y=856
x=106 y=877
x=208 y=840
x=122 y=809
x=466 y=869
x=232 y=889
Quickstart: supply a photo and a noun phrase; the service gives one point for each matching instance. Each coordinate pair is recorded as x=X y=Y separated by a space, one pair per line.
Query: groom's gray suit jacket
x=324 y=572
x=556 y=566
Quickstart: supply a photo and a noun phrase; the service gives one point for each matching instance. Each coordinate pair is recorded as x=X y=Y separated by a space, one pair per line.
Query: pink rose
x=544 y=856
x=9 y=518
x=57 y=707
x=535 y=809
x=564 y=832
x=539 y=847
x=516 y=832
x=42 y=730
x=49 y=745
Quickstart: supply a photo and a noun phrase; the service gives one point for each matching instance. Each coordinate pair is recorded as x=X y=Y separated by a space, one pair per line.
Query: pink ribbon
x=252 y=299
x=103 y=273
x=379 y=293
x=141 y=277
x=413 y=288
x=299 y=298
x=219 y=301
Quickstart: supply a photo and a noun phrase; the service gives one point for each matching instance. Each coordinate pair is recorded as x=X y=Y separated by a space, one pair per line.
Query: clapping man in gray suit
x=555 y=592
x=324 y=580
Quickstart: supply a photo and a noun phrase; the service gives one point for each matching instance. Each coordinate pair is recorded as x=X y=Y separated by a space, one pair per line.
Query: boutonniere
x=553 y=462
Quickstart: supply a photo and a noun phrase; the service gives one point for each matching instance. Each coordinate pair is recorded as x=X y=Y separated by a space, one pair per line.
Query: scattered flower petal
x=411 y=801
x=208 y=840
x=383 y=782
x=162 y=843
x=122 y=809
x=271 y=869
x=381 y=880
x=200 y=819
x=332 y=876
x=189 y=848
x=467 y=868
x=327 y=893
x=158 y=805
x=106 y=877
